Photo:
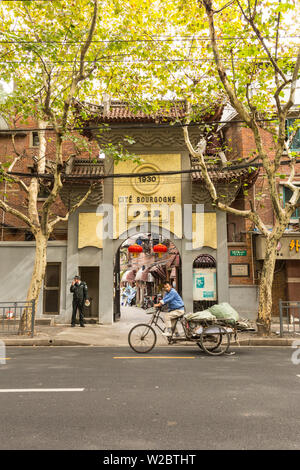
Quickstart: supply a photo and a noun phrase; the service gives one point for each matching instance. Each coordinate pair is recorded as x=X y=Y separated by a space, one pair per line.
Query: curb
x=41 y=342
x=265 y=342
x=60 y=342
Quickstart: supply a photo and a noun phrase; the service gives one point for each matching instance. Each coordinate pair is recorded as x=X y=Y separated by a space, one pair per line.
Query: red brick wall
x=241 y=144
x=17 y=198
x=246 y=246
x=236 y=224
x=286 y=273
x=233 y=140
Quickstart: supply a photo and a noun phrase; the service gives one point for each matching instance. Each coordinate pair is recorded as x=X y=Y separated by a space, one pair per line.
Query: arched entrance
x=204 y=282
x=138 y=280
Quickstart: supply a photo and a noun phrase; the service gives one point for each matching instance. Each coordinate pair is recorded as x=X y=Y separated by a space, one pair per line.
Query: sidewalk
x=117 y=334
x=92 y=335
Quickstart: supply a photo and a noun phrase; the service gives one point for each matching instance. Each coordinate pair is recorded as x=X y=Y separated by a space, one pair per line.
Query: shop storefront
x=286 y=283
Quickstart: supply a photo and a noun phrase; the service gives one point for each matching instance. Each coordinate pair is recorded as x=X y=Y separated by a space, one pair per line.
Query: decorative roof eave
x=79 y=169
x=120 y=113
x=77 y=179
x=221 y=175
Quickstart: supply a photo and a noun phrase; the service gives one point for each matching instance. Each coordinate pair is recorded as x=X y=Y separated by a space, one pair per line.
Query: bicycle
x=211 y=336
x=147 y=302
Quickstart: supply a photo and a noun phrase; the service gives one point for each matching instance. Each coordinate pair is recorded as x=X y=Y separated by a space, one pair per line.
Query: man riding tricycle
x=210 y=332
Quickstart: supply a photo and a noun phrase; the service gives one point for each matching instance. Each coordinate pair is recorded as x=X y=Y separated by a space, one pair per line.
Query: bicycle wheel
x=215 y=340
x=142 y=338
x=211 y=345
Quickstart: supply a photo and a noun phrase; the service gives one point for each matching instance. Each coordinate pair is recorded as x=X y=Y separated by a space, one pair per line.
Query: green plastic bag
x=198 y=316
x=224 y=311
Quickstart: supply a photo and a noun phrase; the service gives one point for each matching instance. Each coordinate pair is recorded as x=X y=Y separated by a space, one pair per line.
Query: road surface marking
x=5 y=358
x=23 y=390
x=154 y=357
x=298 y=375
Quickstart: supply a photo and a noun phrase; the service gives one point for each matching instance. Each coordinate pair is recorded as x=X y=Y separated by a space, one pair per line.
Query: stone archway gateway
x=164 y=191
x=146 y=272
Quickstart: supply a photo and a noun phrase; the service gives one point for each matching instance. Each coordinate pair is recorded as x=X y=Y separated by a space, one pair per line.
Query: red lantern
x=135 y=249
x=160 y=248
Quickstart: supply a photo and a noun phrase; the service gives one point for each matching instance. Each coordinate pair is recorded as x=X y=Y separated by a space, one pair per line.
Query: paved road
x=246 y=401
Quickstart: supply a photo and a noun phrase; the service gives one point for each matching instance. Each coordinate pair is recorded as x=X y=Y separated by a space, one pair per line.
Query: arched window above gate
x=204 y=261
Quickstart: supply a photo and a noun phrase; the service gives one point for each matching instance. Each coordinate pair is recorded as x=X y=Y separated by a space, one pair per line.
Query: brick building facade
x=242 y=235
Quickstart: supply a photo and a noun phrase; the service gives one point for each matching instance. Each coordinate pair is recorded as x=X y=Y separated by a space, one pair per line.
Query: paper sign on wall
x=204 y=284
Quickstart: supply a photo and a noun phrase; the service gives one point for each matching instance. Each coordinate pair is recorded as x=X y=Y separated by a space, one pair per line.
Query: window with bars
x=34 y=139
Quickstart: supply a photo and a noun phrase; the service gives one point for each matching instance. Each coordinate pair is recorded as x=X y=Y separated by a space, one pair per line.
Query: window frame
x=296 y=138
x=31 y=143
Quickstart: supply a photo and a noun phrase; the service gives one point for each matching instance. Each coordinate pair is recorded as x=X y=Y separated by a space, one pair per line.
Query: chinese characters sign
x=294 y=245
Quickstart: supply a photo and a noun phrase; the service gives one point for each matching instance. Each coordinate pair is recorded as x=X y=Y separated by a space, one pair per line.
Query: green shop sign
x=238 y=252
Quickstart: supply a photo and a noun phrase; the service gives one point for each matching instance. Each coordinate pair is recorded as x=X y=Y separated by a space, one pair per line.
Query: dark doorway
x=90 y=275
x=52 y=289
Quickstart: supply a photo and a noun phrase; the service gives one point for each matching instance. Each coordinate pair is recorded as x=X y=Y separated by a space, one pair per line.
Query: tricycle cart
x=212 y=336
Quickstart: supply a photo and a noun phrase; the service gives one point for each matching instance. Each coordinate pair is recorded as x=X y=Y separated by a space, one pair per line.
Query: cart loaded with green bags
x=212 y=329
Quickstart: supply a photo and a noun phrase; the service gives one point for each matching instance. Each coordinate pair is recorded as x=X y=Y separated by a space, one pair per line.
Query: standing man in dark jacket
x=80 y=294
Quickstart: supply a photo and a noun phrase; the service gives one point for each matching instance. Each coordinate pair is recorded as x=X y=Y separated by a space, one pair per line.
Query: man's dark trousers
x=77 y=305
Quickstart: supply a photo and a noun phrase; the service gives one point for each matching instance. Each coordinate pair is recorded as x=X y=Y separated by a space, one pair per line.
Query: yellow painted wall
x=90 y=229
x=205 y=230
x=152 y=192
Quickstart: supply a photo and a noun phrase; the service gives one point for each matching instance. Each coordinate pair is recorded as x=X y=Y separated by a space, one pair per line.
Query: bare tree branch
x=73 y=209
x=276 y=46
x=80 y=75
x=17 y=180
x=16 y=213
x=18 y=157
x=250 y=21
x=243 y=112
x=225 y=6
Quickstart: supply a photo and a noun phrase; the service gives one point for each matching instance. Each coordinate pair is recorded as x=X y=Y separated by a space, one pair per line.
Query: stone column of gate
x=107 y=257
x=72 y=262
x=106 y=282
x=187 y=274
x=222 y=258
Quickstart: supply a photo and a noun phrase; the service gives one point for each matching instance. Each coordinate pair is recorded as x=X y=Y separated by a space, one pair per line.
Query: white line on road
x=24 y=390
x=154 y=357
